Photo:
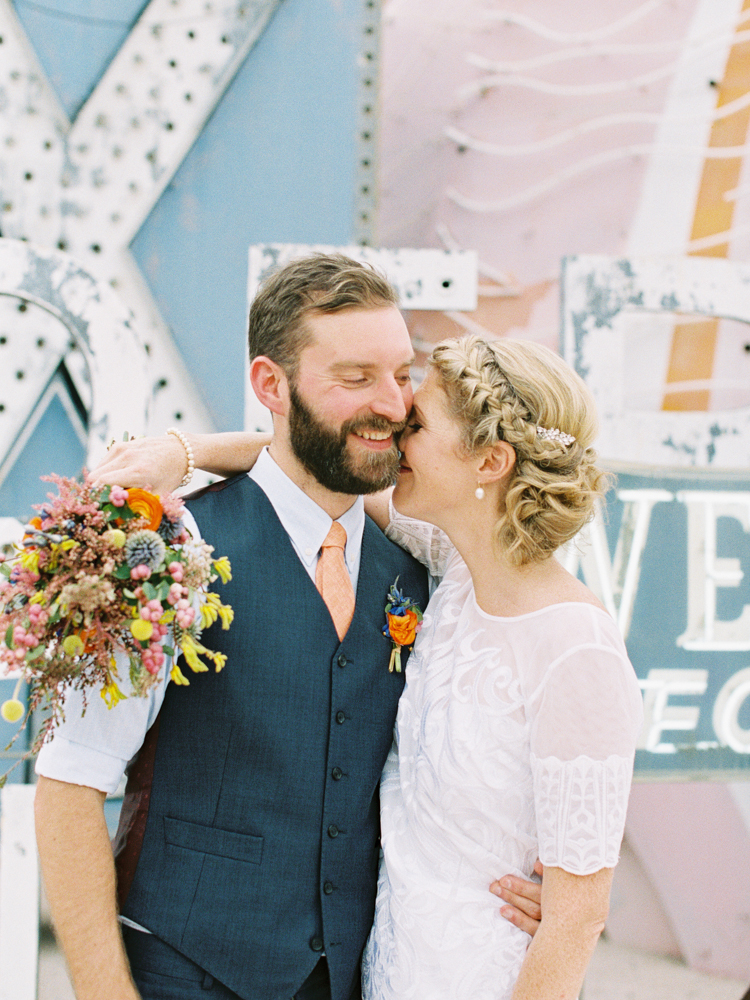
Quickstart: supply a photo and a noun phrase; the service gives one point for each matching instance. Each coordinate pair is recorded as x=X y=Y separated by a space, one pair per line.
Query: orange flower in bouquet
x=148 y=505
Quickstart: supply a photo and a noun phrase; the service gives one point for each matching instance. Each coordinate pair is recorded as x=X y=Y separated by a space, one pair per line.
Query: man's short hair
x=320 y=283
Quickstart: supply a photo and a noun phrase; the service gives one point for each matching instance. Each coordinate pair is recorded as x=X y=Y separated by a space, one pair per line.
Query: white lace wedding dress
x=514 y=739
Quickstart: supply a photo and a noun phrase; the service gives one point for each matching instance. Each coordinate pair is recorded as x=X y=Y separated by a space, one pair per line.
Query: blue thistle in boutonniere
x=403 y=619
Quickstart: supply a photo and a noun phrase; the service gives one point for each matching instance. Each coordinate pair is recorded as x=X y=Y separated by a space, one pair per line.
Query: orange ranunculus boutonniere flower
x=403 y=619
x=147 y=505
x=403 y=629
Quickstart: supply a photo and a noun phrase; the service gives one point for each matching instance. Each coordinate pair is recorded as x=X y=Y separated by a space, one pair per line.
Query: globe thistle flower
x=169 y=530
x=144 y=548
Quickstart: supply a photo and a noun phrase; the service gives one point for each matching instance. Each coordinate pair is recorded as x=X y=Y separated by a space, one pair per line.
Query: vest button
x=333 y=831
x=328 y=888
x=341 y=660
x=316 y=944
x=340 y=718
x=337 y=774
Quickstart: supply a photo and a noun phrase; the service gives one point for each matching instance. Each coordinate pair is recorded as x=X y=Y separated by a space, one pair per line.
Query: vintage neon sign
x=669 y=554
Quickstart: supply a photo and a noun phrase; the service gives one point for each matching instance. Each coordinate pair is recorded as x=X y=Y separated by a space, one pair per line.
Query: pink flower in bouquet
x=118 y=497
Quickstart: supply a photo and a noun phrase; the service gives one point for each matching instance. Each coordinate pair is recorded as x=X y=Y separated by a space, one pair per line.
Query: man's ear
x=497 y=462
x=270 y=384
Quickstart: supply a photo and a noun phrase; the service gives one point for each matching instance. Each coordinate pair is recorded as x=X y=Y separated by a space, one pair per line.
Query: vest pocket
x=213 y=840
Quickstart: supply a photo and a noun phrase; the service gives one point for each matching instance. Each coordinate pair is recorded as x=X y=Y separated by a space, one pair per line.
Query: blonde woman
x=516 y=730
x=517 y=727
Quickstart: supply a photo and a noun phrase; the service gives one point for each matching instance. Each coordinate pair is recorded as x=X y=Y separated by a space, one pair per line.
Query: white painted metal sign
x=19 y=894
x=424 y=279
x=87 y=186
x=88 y=318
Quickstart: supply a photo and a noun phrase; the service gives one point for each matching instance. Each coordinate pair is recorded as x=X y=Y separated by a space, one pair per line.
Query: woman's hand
x=160 y=463
x=157 y=464
x=523 y=899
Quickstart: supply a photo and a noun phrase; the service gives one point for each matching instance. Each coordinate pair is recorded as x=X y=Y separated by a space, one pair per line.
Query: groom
x=248 y=845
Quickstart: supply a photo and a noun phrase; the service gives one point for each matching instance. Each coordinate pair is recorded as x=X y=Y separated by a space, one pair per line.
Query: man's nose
x=389 y=401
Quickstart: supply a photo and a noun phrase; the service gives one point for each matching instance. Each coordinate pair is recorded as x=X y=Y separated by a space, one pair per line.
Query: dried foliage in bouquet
x=102 y=571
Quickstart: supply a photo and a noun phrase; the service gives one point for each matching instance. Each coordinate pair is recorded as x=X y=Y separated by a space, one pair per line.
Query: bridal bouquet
x=102 y=571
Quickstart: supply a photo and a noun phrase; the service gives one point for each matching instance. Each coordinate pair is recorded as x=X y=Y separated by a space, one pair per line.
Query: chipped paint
x=84 y=316
x=597 y=293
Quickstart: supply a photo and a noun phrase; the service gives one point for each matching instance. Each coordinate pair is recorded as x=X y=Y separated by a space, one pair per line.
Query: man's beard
x=324 y=452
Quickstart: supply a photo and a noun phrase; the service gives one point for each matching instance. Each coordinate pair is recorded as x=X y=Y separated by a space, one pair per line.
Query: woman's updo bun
x=520 y=392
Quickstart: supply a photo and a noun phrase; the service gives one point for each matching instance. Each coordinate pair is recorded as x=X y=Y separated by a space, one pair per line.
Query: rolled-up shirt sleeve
x=94 y=748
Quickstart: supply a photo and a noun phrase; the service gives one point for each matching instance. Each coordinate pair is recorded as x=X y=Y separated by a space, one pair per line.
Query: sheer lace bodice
x=514 y=739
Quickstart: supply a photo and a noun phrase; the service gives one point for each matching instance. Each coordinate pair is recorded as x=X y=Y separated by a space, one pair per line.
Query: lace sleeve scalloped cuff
x=580 y=811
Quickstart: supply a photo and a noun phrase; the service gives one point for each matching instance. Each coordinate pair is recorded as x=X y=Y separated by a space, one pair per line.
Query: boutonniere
x=403 y=619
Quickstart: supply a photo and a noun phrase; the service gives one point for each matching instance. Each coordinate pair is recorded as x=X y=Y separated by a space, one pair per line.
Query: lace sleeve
x=586 y=715
x=428 y=544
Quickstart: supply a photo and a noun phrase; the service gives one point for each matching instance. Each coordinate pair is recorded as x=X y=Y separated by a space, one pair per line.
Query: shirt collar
x=306 y=523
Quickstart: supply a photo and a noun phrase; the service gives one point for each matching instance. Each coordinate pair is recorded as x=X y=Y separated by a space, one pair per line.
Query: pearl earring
x=479 y=493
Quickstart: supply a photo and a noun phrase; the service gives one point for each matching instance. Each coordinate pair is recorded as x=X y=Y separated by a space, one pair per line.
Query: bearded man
x=248 y=845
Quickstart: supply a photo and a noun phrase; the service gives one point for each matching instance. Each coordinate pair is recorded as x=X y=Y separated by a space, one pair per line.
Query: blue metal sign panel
x=688 y=627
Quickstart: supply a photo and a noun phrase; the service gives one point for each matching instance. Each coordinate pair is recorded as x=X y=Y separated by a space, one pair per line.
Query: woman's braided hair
x=509 y=390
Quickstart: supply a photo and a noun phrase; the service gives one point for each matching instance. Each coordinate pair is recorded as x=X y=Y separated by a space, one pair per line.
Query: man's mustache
x=377 y=424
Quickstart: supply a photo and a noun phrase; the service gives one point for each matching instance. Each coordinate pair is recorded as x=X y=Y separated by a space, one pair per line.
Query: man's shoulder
x=222 y=506
x=232 y=484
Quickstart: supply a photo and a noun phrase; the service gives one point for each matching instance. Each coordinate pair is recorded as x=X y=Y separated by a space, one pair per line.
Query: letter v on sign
x=615 y=581
x=87 y=186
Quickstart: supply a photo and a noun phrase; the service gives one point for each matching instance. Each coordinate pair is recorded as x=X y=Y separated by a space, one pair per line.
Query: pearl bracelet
x=188 y=452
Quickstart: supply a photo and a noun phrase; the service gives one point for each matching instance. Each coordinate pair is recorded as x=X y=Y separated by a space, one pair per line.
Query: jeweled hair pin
x=556 y=435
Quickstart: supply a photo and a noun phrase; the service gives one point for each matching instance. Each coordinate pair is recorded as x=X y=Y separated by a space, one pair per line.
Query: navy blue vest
x=260 y=827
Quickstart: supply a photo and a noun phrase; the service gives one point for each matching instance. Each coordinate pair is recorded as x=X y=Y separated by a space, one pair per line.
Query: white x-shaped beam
x=87 y=186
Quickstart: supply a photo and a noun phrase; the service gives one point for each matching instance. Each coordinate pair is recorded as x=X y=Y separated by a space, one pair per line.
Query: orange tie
x=332 y=579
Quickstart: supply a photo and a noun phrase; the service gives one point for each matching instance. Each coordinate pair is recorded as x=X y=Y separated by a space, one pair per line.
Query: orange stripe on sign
x=694 y=342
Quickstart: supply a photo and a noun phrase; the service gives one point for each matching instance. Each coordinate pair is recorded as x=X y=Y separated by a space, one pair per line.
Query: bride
x=517 y=727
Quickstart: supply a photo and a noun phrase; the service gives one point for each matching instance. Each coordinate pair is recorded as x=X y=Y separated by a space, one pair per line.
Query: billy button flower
x=115 y=537
x=12 y=709
x=403 y=619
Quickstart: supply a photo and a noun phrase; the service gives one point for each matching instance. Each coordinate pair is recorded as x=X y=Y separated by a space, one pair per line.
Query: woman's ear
x=497 y=462
x=270 y=384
